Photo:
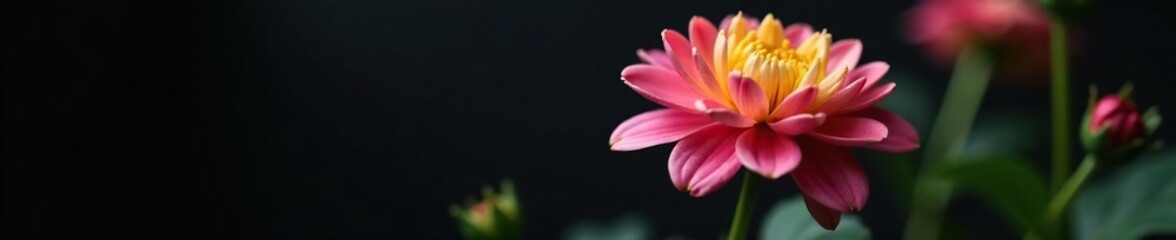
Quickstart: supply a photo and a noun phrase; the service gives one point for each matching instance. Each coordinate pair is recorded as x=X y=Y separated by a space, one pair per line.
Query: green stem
x=743 y=208
x=947 y=140
x=1060 y=101
x=1057 y=206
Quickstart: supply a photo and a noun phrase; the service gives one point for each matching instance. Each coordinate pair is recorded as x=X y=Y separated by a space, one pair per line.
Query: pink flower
x=770 y=98
x=1016 y=28
x=1119 y=117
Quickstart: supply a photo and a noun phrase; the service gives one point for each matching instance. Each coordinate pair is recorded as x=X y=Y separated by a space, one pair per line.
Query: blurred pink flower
x=1120 y=118
x=1018 y=29
x=770 y=98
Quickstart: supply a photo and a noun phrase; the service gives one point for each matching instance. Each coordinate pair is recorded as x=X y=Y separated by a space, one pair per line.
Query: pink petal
x=844 y=54
x=763 y=151
x=705 y=160
x=796 y=102
x=655 y=57
x=704 y=71
x=1105 y=107
x=868 y=98
x=660 y=85
x=682 y=56
x=902 y=136
x=748 y=96
x=832 y=177
x=702 y=35
x=1129 y=127
x=850 y=131
x=656 y=127
x=797 y=33
x=825 y=216
x=722 y=114
x=872 y=71
x=842 y=97
x=798 y=124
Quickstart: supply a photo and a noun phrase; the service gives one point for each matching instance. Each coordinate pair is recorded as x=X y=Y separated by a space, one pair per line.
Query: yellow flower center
x=766 y=55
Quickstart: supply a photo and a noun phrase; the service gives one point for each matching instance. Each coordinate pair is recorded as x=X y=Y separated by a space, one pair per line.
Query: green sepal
x=1094 y=142
x=1151 y=120
x=1125 y=91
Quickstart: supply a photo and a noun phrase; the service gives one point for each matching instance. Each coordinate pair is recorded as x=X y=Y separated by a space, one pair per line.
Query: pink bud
x=1120 y=117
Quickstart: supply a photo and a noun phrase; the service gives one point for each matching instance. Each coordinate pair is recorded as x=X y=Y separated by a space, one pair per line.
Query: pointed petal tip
x=664 y=32
x=696 y=20
x=694 y=192
x=829 y=224
x=775 y=175
x=826 y=217
x=612 y=146
x=902 y=136
x=835 y=182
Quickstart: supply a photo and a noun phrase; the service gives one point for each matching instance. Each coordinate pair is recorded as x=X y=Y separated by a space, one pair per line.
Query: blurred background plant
x=495 y=217
x=630 y=226
x=1015 y=32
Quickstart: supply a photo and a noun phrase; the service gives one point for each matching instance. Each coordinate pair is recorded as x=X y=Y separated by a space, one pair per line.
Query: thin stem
x=743 y=209
x=1060 y=102
x=948 y=137
x=1057 y=206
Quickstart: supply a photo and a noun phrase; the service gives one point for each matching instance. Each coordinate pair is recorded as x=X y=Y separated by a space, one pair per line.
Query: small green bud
x=495 y=217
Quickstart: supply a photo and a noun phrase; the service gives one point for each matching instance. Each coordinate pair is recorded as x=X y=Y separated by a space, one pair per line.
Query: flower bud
x=1114 y=128
x=1120 y=119
x=494 y=217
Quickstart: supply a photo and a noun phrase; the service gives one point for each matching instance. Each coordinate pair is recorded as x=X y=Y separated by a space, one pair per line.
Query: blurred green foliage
x=1014 y=188
x=1134 y=202
x=627 y=227
x=789 y=219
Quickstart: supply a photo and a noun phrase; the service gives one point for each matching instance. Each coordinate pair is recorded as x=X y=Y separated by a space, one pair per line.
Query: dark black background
x=368 y=119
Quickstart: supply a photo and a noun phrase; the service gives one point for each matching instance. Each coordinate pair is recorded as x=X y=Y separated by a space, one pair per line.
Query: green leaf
x=1134 y=202
x=790 y=219
x=627 y=227
x=1009 y=183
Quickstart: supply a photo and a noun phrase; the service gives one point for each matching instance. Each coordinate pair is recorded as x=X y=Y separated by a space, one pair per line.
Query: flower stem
x=743 y=209
x=1060 y=102
x=947 y=140
x=1057 y=206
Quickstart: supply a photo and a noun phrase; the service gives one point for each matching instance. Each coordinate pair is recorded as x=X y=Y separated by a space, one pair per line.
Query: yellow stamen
x=765 y=54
